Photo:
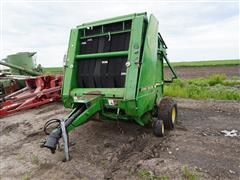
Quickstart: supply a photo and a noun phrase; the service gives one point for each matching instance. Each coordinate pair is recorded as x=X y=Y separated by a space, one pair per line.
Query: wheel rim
x=162 y=128
x=174 y=112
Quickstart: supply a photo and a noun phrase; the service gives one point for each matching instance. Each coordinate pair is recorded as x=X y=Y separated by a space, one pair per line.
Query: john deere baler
x=114 y=67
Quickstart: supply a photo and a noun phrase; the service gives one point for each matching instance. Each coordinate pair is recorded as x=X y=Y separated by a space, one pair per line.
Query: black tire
x=158 y=128
x=168 y=112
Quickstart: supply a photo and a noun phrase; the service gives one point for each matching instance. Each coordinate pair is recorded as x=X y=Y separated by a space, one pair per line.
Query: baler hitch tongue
x=77 y=117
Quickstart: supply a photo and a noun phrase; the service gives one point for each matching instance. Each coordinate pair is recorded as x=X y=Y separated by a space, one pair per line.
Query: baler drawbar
x=114 y=67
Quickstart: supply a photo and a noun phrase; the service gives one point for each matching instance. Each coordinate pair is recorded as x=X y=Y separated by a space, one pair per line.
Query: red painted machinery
x=39 y=90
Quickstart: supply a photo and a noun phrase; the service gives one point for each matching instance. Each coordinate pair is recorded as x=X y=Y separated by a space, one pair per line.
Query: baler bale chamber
x=114 y=67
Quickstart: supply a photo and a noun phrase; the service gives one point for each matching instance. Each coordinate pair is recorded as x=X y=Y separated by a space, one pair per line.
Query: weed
x=148 y=175
x=216 y=79
x=213 y=87
x=20 y=157
x=131 y=171
x=35 y=159
x=84 y=178
x=144 y=174
x=231 y=82
x=104 y=163
x=27 y=176
x=189 y=174
x=235 y=78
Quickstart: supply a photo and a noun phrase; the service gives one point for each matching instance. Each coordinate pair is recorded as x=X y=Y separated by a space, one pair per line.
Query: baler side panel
x=147 y=85
x=160 y=77
x=70 y=74
x=134 y=58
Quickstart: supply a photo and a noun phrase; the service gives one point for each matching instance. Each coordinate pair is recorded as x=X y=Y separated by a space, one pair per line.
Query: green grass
x=189 y=174
x=104 y=163
x=207 y=63
x=27 y=176
x=148 y=175
x=214 y=87
x=20 y=157
x=35 y=159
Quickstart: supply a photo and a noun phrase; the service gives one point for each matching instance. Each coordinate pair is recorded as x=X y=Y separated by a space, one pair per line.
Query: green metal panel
x=160 y=77
x=112 y=20
x=19 y=70
x=22 y=59
x=70 y=74
x=147 y=85
x=105 y=34
x=134 y=57
x=147 y=75
x=102 y=55
x=107 y=92
x=95 y=106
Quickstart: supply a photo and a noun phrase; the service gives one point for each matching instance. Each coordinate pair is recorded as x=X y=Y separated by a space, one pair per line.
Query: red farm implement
x=39 y=90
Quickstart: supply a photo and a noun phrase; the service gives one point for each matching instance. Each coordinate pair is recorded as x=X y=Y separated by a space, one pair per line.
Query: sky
x=193 y=31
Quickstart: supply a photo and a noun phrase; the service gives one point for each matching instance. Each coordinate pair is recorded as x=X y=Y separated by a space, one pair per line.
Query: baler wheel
x=158 y=128
x=168 y=112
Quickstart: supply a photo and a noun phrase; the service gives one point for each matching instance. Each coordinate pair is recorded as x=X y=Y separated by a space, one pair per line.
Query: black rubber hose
x=55 y=135
x=48 y=123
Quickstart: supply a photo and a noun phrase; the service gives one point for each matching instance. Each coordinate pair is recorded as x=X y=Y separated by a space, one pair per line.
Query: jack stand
x=65 y=140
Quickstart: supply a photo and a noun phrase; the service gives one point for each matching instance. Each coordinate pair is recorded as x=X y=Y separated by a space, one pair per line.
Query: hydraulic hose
x=53 y=138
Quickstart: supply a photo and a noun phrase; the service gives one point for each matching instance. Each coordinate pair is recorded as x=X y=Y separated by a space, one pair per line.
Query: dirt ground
x=195 y=72
x=110 y=150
